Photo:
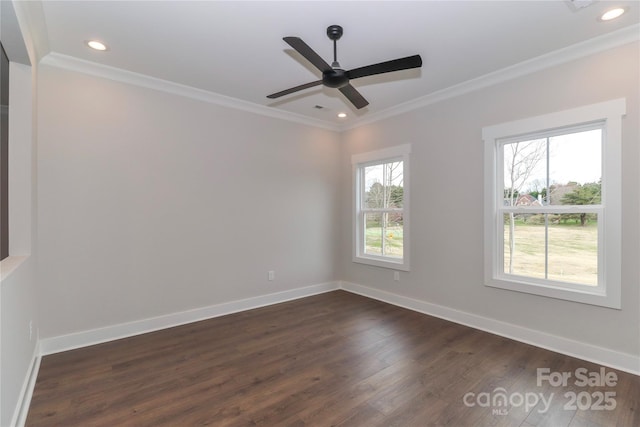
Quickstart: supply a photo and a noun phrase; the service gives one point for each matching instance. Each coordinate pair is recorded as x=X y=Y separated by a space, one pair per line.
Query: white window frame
x=608 y=291
x=359 y=162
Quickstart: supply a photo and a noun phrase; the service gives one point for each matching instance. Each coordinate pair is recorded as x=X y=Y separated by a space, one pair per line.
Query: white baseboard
x=124 y=330
x=614 y=359
x=21 y=410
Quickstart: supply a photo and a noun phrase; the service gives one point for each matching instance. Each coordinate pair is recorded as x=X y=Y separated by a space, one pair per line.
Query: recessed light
x=95 y=44
x=612 y=14
x=342 y=115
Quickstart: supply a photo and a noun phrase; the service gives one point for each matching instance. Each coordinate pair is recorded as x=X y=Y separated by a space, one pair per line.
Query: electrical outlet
x=396 y=276
x=271 y=275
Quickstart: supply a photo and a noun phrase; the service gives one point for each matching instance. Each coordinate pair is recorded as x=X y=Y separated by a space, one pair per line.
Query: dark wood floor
x=335 y=359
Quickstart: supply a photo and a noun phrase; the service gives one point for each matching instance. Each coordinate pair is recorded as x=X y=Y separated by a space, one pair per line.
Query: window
x=381 y=208
x=552 y=204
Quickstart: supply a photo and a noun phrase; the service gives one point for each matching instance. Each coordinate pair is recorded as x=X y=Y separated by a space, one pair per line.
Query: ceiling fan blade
x=303 y=49
x=294 y=89
x=386 y=67
x=354 y=96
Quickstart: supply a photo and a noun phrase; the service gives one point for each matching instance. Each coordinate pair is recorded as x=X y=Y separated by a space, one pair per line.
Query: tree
x=585 y=194
x=538 y=190
x=520 y=161
x=388 y=193
x=375 y=196
x=396 y=195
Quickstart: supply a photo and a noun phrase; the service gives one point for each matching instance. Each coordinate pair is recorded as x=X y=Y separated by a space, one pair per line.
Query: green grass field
x=393 y=241
x=573 y=252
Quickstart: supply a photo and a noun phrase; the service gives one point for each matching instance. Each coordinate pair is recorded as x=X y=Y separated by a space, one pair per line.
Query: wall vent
x=576 y=5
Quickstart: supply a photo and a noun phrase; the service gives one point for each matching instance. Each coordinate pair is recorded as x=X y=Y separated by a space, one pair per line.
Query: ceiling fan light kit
x=334 y=76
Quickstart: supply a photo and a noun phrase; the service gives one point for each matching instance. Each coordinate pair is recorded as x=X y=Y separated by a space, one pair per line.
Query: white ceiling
x=235 y=48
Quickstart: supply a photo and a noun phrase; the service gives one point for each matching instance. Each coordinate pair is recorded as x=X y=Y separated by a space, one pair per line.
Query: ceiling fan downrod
x=334 y=32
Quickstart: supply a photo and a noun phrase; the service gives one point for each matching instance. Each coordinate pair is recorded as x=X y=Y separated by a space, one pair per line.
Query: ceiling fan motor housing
x=335 y=78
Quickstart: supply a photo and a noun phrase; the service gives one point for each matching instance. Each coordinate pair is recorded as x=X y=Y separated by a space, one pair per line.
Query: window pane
x=575 y=168
x=373 y=188
x=524 y=172
x=393 y=176
x=524 y=245
x=393 y=235
x=373 y=233
x=383 y=186
x=573 y=248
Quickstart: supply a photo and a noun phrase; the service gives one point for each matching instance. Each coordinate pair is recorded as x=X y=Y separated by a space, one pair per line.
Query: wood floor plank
x=335 y=359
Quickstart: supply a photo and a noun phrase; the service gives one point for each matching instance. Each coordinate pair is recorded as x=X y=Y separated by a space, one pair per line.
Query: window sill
x=584 y=296
x=11 y=264
x=393 y=265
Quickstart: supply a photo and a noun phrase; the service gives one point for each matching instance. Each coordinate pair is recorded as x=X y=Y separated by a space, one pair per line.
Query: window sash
x=361 y=177
x=500 y=272
x=359 y=162
x=548 y=134
x=363 y=210
x=551 y=133
x=382 y=210
x=551 y=209
x=501 y=209
x=363 y=231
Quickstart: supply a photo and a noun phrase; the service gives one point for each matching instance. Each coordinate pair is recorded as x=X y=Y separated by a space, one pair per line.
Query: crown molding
x=589 y=47
x=30 y=16
x=71 y=63
x=579 y=50
x=12 y=38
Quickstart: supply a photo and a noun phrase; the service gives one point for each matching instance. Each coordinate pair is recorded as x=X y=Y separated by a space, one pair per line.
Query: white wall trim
x=21 y=146
x=614 y=359
x=21 y=410
x=124 y=330
x=11 y=264
x=71 y=63
x=592 y=46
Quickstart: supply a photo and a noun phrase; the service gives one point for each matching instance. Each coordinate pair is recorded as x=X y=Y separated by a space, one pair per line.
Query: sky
x=374 y=174
x=574 y=157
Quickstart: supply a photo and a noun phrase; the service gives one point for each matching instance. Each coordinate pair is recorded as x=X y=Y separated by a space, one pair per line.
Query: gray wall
x=18 y=290
x=152 y=203
x=447 y=199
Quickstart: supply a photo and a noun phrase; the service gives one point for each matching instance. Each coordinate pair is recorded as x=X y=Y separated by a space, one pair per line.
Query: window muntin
x=574 y=253
x=381 y=216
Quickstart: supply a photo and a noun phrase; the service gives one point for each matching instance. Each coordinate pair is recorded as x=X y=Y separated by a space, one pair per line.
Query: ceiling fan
x=335 y=76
